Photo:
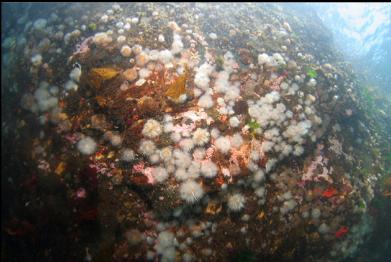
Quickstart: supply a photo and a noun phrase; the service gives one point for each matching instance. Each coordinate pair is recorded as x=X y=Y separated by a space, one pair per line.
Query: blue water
x=362 y=31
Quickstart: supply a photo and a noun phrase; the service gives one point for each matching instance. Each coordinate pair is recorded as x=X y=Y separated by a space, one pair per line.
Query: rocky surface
x=307 y=198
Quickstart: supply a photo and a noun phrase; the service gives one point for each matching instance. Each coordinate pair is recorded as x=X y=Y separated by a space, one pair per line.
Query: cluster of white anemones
x=44 y=101
x=202 y=77
x=165 y=246
x=271 y=61
x=282 y=133
x=185 y=167
x=225 y=143
x=177 y=45
x=201 y=80
x=229 y=90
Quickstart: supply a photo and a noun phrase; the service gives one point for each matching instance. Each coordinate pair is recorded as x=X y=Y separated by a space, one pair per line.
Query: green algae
x=92 y=26
x=311 y=73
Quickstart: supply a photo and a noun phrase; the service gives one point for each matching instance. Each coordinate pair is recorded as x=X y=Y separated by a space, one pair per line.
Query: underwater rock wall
x=176 y=133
